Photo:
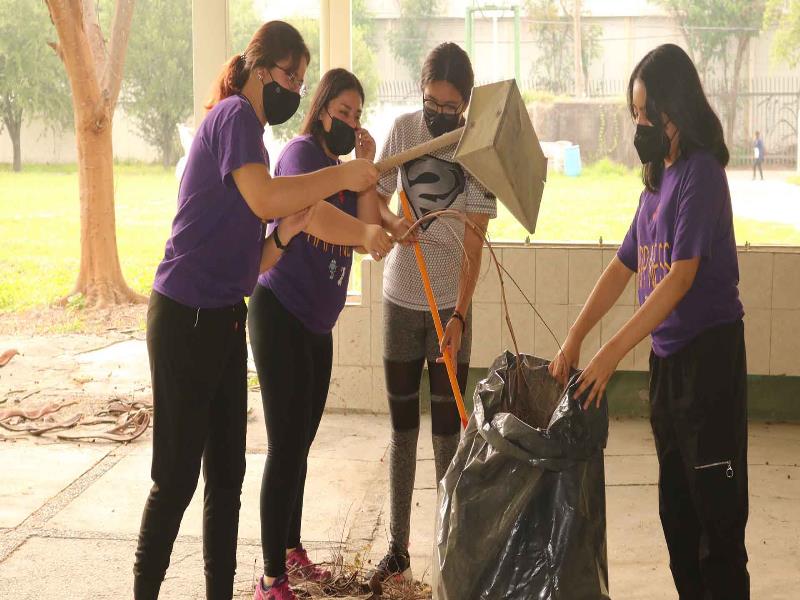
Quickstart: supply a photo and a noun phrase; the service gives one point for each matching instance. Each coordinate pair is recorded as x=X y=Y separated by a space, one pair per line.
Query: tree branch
x=57 y=49
x=91 y=26
x=77 y=56
x=120 y=31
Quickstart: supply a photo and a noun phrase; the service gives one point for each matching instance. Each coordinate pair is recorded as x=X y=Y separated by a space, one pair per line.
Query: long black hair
x=673 y=88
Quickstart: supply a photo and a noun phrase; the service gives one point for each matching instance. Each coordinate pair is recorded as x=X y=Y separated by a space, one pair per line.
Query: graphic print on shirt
x=431 y=184
x=655 y=261
x=334 y=249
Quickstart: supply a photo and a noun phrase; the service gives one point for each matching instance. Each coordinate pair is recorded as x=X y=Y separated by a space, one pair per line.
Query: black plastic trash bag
x=521 y=511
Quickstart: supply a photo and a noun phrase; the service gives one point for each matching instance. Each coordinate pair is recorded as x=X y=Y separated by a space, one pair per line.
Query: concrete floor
x=69 y=513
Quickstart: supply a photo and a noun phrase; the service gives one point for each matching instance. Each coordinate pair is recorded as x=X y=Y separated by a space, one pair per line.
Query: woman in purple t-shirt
x=195 y=322
x=681 y=248
x=292 y=313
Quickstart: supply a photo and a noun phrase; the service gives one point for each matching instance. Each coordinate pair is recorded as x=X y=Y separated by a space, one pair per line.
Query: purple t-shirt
x=310 y=279
x=690 y=216
x=214 y=252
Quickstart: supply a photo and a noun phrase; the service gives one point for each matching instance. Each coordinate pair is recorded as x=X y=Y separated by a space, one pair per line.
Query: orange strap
x=426 y=281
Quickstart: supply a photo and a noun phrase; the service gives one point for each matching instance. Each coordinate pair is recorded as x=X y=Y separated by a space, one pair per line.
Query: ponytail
x=273 y=42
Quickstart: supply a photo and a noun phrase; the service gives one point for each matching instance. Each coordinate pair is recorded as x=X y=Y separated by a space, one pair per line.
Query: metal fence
x=770 y=105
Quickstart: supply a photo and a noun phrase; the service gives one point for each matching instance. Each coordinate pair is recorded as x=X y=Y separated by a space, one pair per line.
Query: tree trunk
x=12 y=119
x=94 y=96
x=15 y=143
x=100 y=278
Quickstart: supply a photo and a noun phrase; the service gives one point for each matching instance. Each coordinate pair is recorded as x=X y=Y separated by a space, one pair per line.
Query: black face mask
x=341 y=139
x=280 y=104
x=440 y=123
x=651 y=143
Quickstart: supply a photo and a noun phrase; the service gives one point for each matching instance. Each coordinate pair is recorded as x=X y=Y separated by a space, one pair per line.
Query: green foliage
x=33 y=83
x=785 y=17
x=158 y=81
x=554 y=31
x=710 y=27
x=39 y=260
x=409 y=39
x=243 y=23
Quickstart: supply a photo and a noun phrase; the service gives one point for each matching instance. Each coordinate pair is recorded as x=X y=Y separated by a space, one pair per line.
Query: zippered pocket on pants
x=722 y=463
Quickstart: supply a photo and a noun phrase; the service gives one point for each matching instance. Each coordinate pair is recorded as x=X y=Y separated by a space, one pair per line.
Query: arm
x=606 y=292
x=473 y=245
x=287 y=229
x=397 y=226
x=657 y=307
x=273 y=197
x=369 y=207
x=337 y=227
x=368 y=201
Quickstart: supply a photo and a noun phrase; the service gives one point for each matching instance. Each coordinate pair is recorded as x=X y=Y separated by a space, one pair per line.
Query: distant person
x=758 y=156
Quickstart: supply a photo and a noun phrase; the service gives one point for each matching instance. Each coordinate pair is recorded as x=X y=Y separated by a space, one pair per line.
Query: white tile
x=786 y=281
x=552 y=276
x=556 y=317
x=591 y=344
x=522 y=319
x=611 y=324
x=628 y=296
x=755 y=279
x=379 y=401
x=585 y=268
x=376 y=281
x=335 y=334
x=351 y=388
x=488 y=285
x=376 y=334
x=521 y=265
x=641 y=355
x=354 y=336
x=486 y=335
x=366 y=279
x=785 y=346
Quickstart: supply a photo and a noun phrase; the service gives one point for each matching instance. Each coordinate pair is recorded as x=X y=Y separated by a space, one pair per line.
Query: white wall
x=558 y=280
x=41 y=145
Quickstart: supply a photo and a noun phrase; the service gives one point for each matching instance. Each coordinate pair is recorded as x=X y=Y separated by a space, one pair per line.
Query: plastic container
x=572 y=161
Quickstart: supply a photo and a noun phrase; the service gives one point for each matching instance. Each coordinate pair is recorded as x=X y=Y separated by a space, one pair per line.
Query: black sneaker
x=396 y=564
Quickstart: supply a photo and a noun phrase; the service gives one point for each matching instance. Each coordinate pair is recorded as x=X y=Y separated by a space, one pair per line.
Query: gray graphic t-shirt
x=432 y=182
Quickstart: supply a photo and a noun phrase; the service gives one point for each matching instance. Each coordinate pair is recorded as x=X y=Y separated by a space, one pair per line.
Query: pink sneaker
x=300 y=568
x=279 y=590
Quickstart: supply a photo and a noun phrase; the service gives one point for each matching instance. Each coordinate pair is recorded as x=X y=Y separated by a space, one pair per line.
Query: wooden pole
x=437 y=321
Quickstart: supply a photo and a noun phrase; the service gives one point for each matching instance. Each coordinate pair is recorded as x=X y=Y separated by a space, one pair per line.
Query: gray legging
x=409 y=341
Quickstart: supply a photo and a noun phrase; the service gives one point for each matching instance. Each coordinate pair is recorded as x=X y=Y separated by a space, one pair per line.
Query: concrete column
x=335 y=42
x=210 y=49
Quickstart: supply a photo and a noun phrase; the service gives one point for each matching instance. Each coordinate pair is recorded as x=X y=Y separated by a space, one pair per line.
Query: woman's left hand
x=293 y=224
x=596 y=375
x=451 y=339
x=365 y=144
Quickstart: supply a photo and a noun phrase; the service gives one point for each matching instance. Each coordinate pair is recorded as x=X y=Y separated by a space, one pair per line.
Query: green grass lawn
x=40 y=230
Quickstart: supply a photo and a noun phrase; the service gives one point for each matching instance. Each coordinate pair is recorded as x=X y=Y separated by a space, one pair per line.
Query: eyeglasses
x=430 y=105
x=297 y=84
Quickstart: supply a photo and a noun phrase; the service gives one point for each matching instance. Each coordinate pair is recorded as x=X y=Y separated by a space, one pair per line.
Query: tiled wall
x=558 y=280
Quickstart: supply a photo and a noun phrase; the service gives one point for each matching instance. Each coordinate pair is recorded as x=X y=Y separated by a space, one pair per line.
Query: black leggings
x=198 y=363
x=294 y=371
x=698 y=403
